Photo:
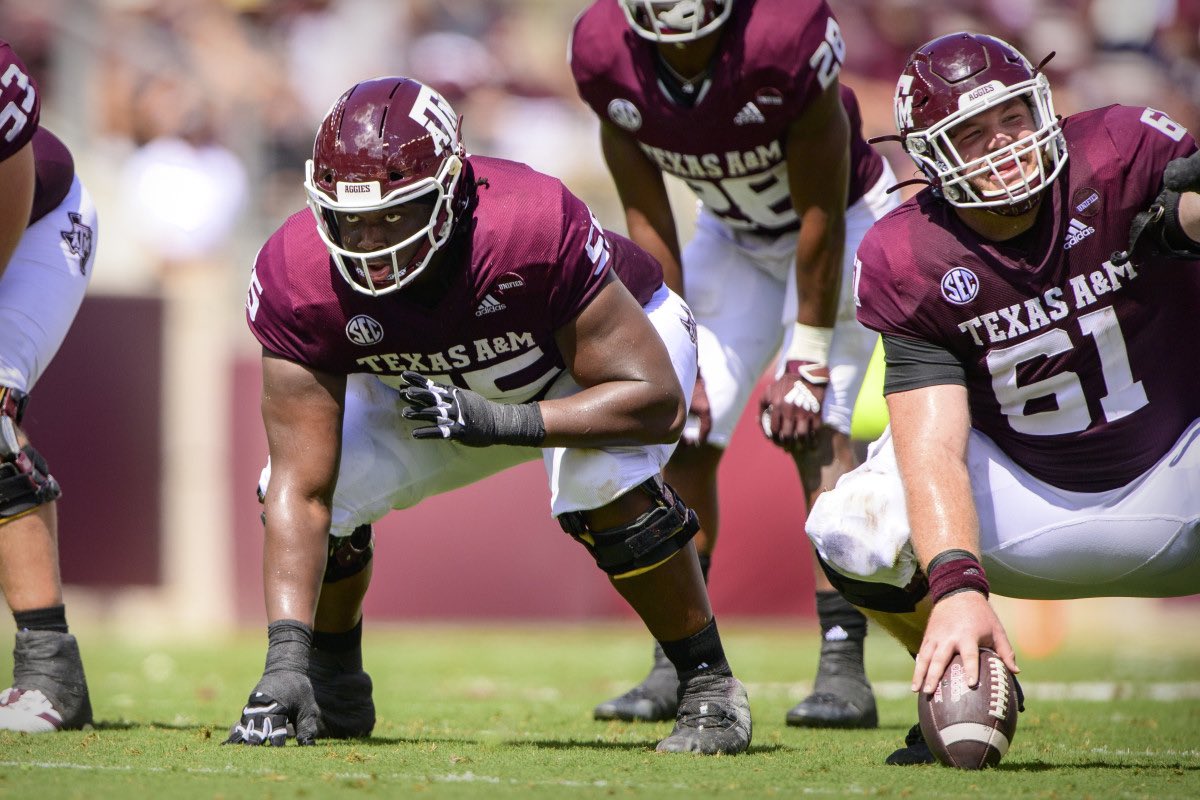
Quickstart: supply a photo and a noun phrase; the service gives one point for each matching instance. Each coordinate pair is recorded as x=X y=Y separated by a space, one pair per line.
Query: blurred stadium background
x=190 y=121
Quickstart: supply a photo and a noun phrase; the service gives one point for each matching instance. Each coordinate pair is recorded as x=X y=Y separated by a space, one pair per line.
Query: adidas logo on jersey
x=490 y=305
x=749 y=114
x=1076 y=233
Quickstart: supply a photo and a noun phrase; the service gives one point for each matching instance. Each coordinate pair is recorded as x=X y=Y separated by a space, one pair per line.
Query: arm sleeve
x=584 y=259
x=913 y=364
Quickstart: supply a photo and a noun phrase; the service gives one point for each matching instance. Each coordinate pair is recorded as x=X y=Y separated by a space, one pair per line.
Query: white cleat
x=28 y=711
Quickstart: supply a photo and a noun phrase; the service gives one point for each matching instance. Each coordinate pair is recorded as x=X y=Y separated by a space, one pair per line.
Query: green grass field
x=504 y=711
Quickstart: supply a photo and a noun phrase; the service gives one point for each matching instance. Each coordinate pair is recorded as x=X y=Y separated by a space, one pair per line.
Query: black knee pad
x=646 y=542
x=877 y=596
x=349 y=555
x=25 y=479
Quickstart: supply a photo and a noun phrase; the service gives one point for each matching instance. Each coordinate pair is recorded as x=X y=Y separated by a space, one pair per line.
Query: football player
x=741 y=100
x=437 y=318
x=47 y=245
x=1040 y=369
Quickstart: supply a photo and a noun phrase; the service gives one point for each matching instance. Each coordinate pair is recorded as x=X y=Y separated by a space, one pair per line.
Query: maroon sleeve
x=638 y=270
x=20 y=105
x=1147 y=140
x=817 y=56
x=584 y=259
x=270 y=311
x=882 y=289
x=589 y=58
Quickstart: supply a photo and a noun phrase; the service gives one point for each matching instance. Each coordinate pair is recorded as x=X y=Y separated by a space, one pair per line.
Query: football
x=970 y=728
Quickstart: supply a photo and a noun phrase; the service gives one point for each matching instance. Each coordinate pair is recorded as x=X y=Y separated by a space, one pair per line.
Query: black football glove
x=469 y=417
x=284 y=694
x=1181 y=175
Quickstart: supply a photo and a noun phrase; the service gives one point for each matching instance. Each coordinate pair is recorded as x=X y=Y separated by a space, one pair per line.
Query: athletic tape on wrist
x=954 y=571
x=809 y=343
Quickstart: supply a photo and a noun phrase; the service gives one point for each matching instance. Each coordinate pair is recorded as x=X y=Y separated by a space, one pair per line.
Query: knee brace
x=652 y=538
x=349 y=555
x=877 y=596
x=25 y=480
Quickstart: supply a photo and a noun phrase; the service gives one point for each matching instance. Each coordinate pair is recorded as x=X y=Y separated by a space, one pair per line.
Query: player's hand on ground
x=468 y=417
x=790 y=409
x=284 y=694
x=960 y=623
x=280 y=698
x=699 y=421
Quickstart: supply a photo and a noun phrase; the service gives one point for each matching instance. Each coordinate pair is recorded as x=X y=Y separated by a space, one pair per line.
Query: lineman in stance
x=436 y=318
x=47 y=241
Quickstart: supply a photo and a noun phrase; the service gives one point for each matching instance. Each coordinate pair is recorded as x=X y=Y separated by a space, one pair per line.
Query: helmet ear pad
x=387 y=144
x=954 y=77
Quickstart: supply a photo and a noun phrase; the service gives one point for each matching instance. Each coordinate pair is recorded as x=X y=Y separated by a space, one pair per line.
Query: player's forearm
x=941 y=510
x=930 y=429
x=819 y=252
x=657 y=237
x=294 y=555
x=616 y=413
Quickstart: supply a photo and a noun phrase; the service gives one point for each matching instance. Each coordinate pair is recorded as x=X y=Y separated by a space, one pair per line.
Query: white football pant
x=1037 y=541
x=742 y=289
x=43 y=287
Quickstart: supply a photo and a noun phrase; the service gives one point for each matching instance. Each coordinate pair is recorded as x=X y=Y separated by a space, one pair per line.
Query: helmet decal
x=388 y=146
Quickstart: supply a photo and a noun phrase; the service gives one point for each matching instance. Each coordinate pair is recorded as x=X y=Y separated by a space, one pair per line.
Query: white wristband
x=809 y=344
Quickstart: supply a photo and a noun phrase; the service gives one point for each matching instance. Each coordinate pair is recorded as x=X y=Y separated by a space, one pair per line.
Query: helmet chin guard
x=676 y=20
x=953 y=78
x=387 y=145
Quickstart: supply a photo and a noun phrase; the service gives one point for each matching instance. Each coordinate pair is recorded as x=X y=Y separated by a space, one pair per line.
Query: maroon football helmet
x=385 y=144
x=676 y=20
x=955 y=77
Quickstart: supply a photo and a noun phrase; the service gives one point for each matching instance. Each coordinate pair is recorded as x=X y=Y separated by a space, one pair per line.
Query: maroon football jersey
x=526 y=261
x=20 y=109
x=775 y=57
x=1083 y=372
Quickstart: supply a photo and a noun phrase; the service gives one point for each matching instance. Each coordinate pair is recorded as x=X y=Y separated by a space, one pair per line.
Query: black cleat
x=714 y=717
x=655 y=699
x=343 y=694
x=842 y=695
x=915 y=750
x=826 y=710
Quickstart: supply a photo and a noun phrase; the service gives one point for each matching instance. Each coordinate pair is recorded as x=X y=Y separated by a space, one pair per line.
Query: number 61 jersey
x=1083 y=372
x=775 y=57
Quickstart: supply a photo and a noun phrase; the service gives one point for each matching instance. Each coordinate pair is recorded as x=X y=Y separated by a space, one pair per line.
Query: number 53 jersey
x=1082 y=372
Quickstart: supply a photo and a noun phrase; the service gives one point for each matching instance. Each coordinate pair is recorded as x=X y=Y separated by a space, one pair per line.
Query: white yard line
x=1094 y=691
